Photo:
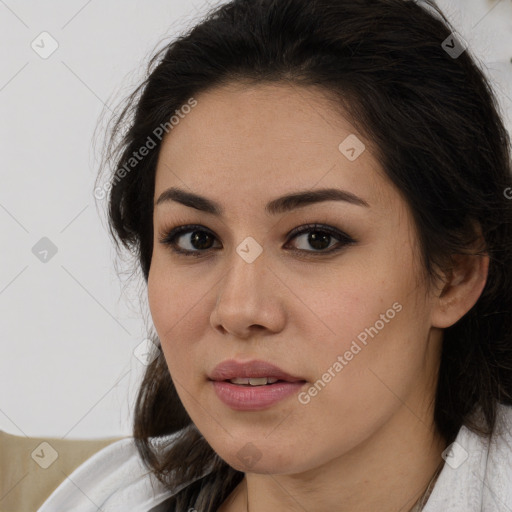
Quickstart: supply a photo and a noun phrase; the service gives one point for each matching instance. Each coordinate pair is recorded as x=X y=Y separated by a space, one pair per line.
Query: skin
x=366 y=441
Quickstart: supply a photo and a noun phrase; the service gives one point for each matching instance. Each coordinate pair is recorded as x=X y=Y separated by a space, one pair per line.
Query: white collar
x=478 y=475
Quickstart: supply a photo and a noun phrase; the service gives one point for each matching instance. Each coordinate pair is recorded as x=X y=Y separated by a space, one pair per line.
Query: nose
x=248 y=299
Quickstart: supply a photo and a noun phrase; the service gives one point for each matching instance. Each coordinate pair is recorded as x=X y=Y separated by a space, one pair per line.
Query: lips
x=229 y=383
x=232 y=369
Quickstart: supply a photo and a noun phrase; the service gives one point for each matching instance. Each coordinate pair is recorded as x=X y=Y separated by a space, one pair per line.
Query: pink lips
x=252 y=398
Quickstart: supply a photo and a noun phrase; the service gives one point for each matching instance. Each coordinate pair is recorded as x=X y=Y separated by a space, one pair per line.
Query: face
x=340 y=305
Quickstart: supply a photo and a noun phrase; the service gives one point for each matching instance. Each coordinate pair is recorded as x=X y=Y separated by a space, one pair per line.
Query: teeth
x=261 y=381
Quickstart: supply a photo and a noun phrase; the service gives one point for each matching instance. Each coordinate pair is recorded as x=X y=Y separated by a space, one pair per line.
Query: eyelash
x=168 y=237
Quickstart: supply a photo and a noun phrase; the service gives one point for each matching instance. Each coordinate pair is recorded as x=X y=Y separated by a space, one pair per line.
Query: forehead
x=264 y=140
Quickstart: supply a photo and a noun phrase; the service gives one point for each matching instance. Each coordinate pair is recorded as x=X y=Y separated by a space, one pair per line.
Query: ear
x=463 y=286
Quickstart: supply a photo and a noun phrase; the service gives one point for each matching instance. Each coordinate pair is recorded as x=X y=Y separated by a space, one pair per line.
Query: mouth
x=253 y=373
x=254 y=381
x=254 y=385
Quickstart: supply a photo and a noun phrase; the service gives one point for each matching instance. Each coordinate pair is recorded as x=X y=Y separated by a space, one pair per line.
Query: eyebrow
x=276 y=206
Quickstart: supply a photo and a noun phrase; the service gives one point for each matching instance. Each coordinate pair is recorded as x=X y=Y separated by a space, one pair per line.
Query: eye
x=196 y=240
x=320 y=237
x=195 y=237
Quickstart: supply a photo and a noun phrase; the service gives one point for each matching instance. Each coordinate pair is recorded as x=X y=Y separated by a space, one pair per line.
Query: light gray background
x=68 y=329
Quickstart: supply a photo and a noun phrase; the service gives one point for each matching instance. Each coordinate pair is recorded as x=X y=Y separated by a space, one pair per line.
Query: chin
x=251 y=459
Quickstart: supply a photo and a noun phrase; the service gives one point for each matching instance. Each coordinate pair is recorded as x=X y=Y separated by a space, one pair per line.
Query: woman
x=317 y=193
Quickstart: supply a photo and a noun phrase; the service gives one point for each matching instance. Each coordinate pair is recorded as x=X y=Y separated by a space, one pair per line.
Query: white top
x=475 y=478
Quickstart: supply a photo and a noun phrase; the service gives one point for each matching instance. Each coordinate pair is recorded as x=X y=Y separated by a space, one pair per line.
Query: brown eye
x=200 y=240
x=319 y=237
x=189 y=240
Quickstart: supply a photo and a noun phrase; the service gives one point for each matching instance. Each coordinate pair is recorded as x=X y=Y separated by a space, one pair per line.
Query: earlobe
x=463 y=286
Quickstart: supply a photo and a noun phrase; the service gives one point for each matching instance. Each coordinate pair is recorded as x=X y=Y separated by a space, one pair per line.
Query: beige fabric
x=32 y=467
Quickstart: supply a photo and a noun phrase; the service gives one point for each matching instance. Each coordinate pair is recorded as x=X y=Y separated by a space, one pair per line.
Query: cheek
x=374 y=290
x=177 y=302
x=166 y=310
x=376 y=326
x=380 y=359
x=171 y=296
x=358 y=300
x=158 y=297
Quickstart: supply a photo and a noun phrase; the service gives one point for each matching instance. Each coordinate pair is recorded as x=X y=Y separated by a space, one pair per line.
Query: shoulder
x=477 y=474
x=113 y=479
x=498 y=475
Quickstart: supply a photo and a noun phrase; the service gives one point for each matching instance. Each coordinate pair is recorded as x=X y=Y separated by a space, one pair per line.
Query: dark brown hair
x=435 y=124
